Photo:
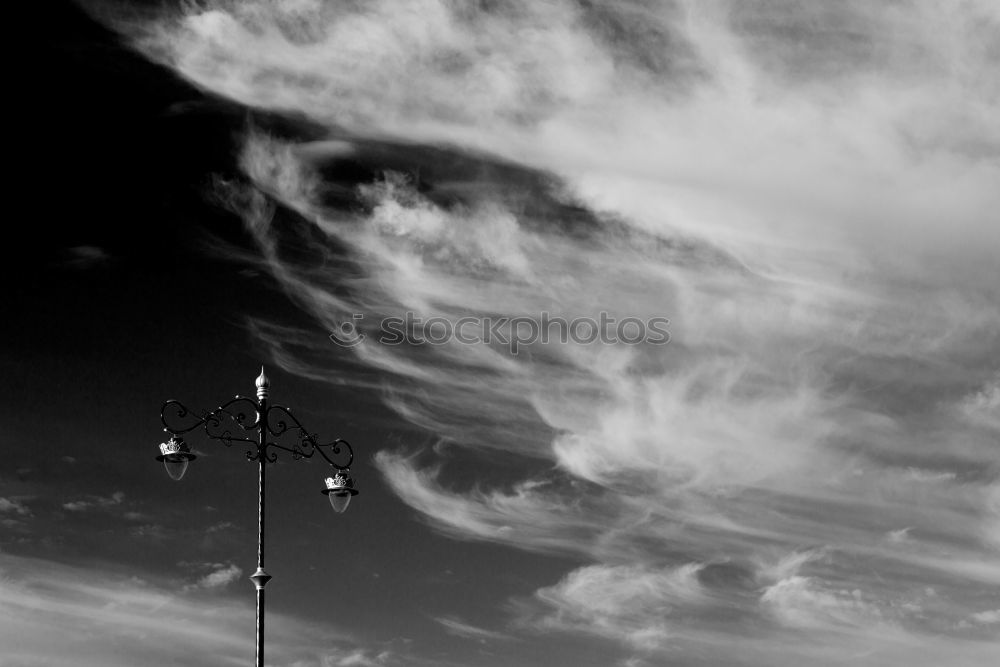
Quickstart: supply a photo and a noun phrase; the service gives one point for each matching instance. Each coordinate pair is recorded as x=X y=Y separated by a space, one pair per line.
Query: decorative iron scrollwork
x=217 y=424
x=276 y=421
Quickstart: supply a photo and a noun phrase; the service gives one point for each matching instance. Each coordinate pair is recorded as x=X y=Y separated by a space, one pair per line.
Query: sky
x=806 y=471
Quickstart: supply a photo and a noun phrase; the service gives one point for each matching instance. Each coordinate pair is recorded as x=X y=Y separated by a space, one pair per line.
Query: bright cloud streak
x=462 y=629
x=95 y=616
x=221 y=576
x=808 y=191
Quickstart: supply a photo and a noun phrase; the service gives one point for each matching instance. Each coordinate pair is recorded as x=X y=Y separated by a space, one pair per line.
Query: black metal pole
x=261 y=577
x=260 y=568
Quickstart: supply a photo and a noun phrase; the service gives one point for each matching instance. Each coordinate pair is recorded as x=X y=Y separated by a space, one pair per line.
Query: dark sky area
x=117 y=302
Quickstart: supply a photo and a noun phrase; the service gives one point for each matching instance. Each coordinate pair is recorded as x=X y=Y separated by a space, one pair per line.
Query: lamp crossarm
x=308 y=446
x=308 y=443
x=245 y=415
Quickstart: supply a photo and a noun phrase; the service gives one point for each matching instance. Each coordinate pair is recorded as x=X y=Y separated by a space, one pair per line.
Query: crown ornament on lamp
x=339 y=490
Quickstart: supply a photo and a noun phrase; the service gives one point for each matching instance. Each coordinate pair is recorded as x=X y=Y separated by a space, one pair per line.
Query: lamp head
x=175 y=454
x=340 y=489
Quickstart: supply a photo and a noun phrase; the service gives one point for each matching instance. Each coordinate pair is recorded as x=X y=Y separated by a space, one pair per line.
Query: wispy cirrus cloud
x=217 y=575
x=86 y=257
x=52 y=611
x=806 y=191
x=628 y=603
x=95 y=502
x=460 y=628
x=990 y=617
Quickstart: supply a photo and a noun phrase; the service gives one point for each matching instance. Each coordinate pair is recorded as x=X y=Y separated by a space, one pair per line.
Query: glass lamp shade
x=176 y=466
x=339 y=501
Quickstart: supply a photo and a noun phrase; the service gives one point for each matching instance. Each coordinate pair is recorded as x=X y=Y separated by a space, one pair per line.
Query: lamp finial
x=263 y=385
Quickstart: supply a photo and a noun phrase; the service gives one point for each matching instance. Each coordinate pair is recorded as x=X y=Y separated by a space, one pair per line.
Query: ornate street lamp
x=243 y=415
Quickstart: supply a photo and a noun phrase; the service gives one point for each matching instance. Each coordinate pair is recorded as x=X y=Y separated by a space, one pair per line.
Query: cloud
x=14 y=506
x=901 y=535
x=987 y=617
x=220 y=526
x=99 y=502
x=630 y=604
x=150 y=531
x=805 y=191
x=76 y=505
x=527 y=517
x=361 y=658
x=86 y=257
x=459 y=628
x=691 y=610
x=983 y=406
x=50 y=613
x=220 y=577
x=799 y=602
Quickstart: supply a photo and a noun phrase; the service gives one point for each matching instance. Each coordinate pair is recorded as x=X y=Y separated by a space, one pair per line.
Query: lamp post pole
x=260 y=577
x=230 y=423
